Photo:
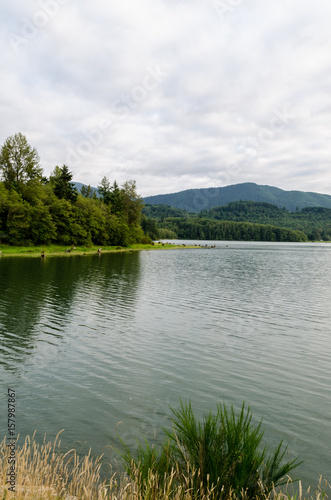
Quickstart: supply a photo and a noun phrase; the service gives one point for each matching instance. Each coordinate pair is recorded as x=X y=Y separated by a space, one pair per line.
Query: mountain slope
x=195 y=200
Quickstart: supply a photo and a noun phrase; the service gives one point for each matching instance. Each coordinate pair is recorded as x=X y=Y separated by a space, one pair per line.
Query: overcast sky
x=175 y=94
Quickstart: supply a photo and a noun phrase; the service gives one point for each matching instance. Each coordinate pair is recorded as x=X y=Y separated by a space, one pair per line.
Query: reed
x=44 y=472
x=220 y=454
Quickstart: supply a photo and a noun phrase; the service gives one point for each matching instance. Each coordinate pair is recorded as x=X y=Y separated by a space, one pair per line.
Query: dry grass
x=44 y=472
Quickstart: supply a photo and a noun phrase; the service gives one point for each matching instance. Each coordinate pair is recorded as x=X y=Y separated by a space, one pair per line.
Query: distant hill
x=79 y=186
x=196 y=200
x=160 y=211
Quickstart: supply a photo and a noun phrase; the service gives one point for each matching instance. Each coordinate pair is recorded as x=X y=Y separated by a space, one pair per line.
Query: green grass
x=59 y=250
x=219 y=456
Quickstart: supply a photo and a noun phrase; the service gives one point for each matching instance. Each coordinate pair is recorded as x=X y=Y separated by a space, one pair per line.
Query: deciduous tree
x=19 y=162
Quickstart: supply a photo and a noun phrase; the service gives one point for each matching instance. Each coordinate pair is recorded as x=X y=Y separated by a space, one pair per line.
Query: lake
x=101 y=346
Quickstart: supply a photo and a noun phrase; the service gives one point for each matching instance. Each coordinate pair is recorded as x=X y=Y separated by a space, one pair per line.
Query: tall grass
x=43 y=471
x=180 y=470
x=221 y=455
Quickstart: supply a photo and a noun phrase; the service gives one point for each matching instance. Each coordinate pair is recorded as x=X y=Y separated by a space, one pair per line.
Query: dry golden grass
x=44 y=472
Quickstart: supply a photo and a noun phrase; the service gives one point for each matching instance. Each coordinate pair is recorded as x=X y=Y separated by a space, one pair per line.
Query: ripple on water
x=95 y=342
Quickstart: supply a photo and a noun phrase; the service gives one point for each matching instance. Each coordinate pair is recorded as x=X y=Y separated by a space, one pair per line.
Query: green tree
x=117 y=199
x=104 y=190
x=42 y=228
x=18 y=222
x=55 y=175
x=87 y=191
x=92 y=216
x=19 y=162
x=63 y=187
x=149 y=227
x=131 y=202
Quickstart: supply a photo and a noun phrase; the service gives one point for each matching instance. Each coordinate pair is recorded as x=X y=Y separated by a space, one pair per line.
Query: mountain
x=195 y=200
x=79 y=186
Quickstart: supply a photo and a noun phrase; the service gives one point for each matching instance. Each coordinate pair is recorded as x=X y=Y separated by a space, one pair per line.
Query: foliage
x=149 y=227
x=314 y=221
x=221 y=453
x=205 y=229
x=35 y=210
x=161 y=211
x=166 y=233
x=45 y=471
x=19 y=162
x=88 y=191
x=63 y=187
x=104 y=190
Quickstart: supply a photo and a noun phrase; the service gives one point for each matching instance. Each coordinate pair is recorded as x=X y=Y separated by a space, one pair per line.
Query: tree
x=63 y=187
x=131 y=202
x=117 y=199
x=149 y=227
x=87 y=191
x=104 y=190
x=19 y=162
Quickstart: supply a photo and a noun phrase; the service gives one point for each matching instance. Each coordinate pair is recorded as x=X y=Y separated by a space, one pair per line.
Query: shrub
x=222 y=453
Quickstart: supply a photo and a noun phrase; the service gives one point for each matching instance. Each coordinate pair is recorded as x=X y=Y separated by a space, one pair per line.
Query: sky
x=175 y=94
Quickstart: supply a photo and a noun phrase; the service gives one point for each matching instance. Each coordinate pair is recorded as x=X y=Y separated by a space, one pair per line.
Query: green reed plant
x=222 y=452
x=149 y=460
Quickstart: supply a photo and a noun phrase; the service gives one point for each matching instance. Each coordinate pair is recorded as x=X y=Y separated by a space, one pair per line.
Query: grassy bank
x=65 y=251
x=44 y=472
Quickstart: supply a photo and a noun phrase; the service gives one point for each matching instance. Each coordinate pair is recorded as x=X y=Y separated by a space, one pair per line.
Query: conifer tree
x=63 y=187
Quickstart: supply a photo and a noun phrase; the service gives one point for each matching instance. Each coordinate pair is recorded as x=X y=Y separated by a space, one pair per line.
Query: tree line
x=206 y=229
x=38 y=210
x=315 y=222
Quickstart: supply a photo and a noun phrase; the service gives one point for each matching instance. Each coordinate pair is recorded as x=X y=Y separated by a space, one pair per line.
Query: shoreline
x=41 y=251
x=63 y=251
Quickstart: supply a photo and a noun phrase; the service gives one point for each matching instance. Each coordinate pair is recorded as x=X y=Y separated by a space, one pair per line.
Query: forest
x=314 y=222
x=206 y=229
x=195 y=200
x=38 y=210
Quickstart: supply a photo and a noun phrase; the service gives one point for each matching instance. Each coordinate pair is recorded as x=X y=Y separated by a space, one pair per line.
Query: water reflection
x=40 y=298
x=118 y=339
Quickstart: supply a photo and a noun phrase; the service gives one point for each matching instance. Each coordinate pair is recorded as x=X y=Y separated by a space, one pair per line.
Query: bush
x=146 y=240
x=222 y=453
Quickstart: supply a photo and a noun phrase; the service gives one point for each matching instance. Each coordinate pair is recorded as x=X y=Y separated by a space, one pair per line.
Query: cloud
x=175 y=95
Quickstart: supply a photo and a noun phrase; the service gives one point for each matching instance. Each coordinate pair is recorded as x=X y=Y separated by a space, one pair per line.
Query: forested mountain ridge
x=315 y=222
x=196 y=200
x=37 y=210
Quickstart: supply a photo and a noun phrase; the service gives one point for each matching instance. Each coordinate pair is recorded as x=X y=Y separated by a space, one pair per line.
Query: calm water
x=102 y=346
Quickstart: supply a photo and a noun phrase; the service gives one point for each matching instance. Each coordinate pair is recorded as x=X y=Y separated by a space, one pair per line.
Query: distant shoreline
x=69 y=251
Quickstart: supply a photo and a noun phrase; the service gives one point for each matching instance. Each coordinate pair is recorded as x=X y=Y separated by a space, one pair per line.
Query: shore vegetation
x=36 y=210
x=218 y=457
x=67 y=251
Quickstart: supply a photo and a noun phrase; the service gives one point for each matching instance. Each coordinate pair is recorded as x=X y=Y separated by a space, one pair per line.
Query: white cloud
x=171 y=94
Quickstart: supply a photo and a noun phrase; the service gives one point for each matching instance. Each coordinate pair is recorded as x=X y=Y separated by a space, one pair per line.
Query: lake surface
x=101 y=346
